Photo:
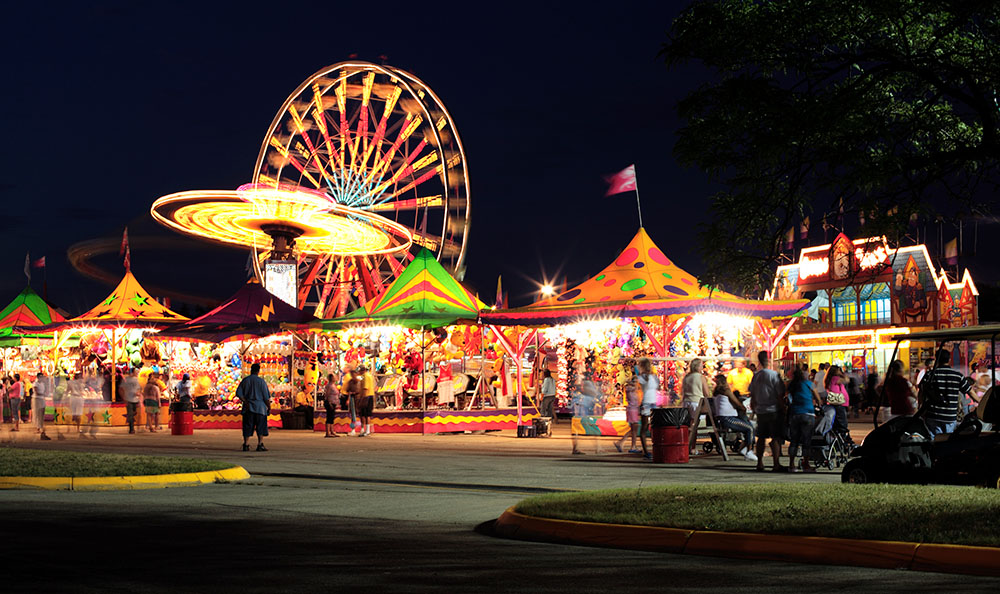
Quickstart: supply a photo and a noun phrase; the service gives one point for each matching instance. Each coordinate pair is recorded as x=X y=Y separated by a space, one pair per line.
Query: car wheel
x=858 y=471
x=708 y=447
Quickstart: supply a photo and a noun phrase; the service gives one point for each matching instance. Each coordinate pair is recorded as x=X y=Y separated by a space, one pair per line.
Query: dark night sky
x=107 y=106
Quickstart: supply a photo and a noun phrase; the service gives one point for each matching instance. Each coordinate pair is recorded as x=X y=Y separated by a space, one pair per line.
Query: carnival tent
x=27 y=309
x=128 y=306
x=252 y=312
x=424 y=296
x=641 y=282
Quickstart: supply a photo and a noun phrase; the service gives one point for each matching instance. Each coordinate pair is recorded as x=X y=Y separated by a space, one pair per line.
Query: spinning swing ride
x=361 y=167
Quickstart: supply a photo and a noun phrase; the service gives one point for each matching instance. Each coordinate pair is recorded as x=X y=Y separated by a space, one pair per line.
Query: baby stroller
x=830 y=446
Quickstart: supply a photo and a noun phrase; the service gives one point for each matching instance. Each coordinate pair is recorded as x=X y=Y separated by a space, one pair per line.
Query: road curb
x=123 y=483
x=772 y=547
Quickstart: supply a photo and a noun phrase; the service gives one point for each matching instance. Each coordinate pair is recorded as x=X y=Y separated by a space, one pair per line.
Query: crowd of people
x=767 y=409
x=26 y=397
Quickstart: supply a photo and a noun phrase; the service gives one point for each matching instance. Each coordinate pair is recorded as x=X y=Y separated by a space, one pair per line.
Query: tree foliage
x=821 y=107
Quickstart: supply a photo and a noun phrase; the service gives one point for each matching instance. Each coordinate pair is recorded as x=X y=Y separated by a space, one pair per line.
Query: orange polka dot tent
x=642 y=281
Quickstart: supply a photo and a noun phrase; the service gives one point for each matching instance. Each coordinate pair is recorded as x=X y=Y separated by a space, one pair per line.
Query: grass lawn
x=914 y=513
x=24 y=462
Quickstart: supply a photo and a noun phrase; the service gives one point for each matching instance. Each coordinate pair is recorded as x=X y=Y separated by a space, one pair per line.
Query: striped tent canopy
x=253 y=312
x=128 y=306
x=424 y=296
x=642 y=281
x=27 y=309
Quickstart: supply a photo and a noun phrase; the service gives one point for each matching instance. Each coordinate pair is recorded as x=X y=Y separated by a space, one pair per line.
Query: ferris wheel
x=376 y=140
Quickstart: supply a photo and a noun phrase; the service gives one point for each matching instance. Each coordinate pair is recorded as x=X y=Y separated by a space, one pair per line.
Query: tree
x=824 y=107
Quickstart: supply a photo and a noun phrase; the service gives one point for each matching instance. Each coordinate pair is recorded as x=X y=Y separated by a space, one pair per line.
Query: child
x=631 y=415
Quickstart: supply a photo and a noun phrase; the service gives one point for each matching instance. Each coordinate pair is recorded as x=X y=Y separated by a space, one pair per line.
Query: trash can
x=543 y=426
x=670 y=432
x=293 y=419
x=181 y=420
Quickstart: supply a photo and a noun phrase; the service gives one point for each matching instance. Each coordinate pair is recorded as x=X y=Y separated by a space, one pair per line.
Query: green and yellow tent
x=27 y=309
x=424 y=296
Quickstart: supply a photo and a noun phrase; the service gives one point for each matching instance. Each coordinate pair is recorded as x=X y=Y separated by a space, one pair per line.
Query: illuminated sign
x=884 y=337
x=843 y=257
x=281 y=279
x=832 y=341
x=847 y=340
x=872 y=258
x=813 y=267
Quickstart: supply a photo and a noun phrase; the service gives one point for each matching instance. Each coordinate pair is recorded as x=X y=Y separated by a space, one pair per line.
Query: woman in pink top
x=836 y=396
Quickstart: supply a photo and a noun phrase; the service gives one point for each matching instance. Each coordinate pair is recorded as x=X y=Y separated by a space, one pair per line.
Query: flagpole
x=637 y=204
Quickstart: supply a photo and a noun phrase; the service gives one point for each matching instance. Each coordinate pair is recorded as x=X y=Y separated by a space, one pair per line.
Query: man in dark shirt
x=256 y=398
x=942 y=411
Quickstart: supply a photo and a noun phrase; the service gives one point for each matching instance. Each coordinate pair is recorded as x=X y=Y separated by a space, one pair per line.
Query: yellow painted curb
x=942 y=557
x=773 y=547
x=646 y=538
x=119 y=483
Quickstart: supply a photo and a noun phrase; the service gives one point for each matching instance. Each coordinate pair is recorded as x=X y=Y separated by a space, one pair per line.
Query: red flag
x=125 y=251
x=623 y=181
x=39 y=263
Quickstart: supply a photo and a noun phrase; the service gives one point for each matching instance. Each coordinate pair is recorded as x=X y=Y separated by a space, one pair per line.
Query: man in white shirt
x=42 y=391
x=820 y=381
x=130 y=393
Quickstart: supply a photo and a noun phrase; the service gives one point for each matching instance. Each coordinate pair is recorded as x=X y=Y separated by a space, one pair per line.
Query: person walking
x=130 y=394
x=802 y=418
x=820 y=380
x=14 y=394
x=151 y=402
x=838 y=398
x=899 y=391
x=632 y=404
x=942 y=391
x=548 y=392
x=739 y=378
x=331 y=396
x=350 y=389
x=650 y=385
x=767 y=401
x=256 y=399
x=366 y=400
x=43 y=389
x=694 y=387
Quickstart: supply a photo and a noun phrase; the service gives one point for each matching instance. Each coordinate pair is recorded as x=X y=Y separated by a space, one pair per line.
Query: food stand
x=643 y=304
x=411 y=318
x=243 y=330
x=108 y=334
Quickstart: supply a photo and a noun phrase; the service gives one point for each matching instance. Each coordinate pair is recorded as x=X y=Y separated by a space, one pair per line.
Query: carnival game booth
x=404 y=325
x=643 y=304
x=111 y=342
x=217 y=349
x=866 y=291
x=25 y=353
